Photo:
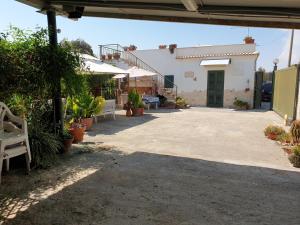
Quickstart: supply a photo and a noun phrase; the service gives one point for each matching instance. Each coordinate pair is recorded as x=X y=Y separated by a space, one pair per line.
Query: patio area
x=164 y=168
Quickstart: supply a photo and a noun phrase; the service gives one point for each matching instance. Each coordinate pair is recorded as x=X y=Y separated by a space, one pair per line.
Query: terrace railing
x=117 y=52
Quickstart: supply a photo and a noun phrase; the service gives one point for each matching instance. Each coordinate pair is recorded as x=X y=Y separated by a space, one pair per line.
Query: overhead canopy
x=261 y=13
x=94 y=65
x=135 y=72
x=215 y=62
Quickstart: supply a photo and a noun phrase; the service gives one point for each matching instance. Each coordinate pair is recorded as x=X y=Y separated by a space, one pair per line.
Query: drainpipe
x=273 y=82
x=57 y=103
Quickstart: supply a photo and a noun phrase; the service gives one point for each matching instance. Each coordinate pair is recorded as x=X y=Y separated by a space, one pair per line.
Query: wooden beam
x=213 y=21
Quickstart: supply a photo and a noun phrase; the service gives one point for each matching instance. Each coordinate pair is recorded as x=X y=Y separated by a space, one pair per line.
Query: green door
x=215 y=88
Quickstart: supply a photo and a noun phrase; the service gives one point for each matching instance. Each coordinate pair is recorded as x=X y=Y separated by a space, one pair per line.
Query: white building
x=208 y=75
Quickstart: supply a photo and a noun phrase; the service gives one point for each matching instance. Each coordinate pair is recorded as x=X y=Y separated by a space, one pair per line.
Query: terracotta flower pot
x=162 y=47
x=116 y=56
x=103 y=57
x=109 y=56
x=67 y=144
x=272 y=136
x=138 y=112
x=87 y=122
x=78 y=133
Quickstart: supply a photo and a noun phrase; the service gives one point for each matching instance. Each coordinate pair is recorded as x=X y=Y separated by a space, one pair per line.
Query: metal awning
x=259 y=13
x=215 y=62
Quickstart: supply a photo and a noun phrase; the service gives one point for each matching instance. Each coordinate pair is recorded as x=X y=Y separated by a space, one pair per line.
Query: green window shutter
x=169 y=81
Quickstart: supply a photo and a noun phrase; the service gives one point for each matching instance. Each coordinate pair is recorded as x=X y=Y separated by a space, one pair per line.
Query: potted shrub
x=67 y=141
x=162 y=46
x=241 y=105
x=180 y=103
x=172 y=48
x=249 y=40
x=109 y=56
x=89 y=107
x=136 y=103
x=84 y=107
x=77 y=131
x=127 y=106
x=103 y=57
x=295 y=156
x=132 y=48
x=116 y=55
x=273 y=132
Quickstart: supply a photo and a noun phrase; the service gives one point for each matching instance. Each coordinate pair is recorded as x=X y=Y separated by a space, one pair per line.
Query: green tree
x=79 y=45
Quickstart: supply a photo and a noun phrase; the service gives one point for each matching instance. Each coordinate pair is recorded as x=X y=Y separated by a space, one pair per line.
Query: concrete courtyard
x=180 y=167
x=220 y=135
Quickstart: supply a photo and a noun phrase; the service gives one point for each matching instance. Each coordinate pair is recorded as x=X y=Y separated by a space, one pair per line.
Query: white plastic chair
x=13 y=138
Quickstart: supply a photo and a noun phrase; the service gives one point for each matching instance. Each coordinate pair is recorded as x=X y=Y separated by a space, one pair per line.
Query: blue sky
x=271 y=43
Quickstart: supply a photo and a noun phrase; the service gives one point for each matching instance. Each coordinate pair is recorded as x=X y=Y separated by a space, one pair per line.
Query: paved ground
x=198 y=166
x=221 y=135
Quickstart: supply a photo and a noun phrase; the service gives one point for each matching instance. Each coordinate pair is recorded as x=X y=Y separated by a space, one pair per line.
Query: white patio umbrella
x=94 y=65
x=138 y=72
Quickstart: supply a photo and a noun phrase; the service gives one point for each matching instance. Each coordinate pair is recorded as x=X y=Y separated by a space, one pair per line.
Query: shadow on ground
x=144 y=188
x=107 y=126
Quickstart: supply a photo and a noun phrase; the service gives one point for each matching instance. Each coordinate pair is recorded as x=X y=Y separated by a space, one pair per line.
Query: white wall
x=239 y=75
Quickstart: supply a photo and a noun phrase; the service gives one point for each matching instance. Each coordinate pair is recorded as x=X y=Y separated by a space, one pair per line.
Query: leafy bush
x=295 y=131
x=285 y=137
x=135 y=99
x=295 y=156
x=180 y=103
x=85 y=106
x=239 y=104
x=44 y=144
x=274 y=130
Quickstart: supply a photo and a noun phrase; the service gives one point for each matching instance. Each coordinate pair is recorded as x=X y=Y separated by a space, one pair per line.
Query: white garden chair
x=13 y=138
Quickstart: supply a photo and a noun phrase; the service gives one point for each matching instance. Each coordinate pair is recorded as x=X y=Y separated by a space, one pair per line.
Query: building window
x=169 y=81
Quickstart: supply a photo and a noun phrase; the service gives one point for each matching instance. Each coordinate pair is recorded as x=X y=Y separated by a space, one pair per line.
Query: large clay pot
x=87 y=122
x=67 y=144
x=138 y=112
x=77 y=133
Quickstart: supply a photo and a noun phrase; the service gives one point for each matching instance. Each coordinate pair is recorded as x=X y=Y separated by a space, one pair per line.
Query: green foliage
x=30 y=71
x=30 y=65
x=180 y=102
x=78 y=45
x=135 y=99
x=239 y=104
x=295 y=156
x=275 y=130
x=295 y=131
x=285 y=137
x=20 y=105
x=85 y=106
x=67 y=134
x=44 y=144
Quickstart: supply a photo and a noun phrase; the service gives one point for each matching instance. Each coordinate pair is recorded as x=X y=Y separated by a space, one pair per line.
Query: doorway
x=215 y=88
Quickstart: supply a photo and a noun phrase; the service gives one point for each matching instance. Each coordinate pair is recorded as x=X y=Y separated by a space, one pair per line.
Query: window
x=169 y=81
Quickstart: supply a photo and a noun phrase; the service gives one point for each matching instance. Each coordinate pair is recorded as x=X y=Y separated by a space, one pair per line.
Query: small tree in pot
x=136 y=103
x=67 y=140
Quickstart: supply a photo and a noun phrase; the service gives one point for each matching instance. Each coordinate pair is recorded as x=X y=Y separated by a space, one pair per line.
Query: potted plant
x=84 y=107
x=249 y=40
x=172 y=47
x=77 y=131
x=132 y=48
x=116 y=55
x=241 y=105
x=127 y=106
x=89 y=107
x=136 y=103
x=273 y=132
x=103 y=57
x=162 y=46
x=67 y=141
x=109 y=56
x=295 y=156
